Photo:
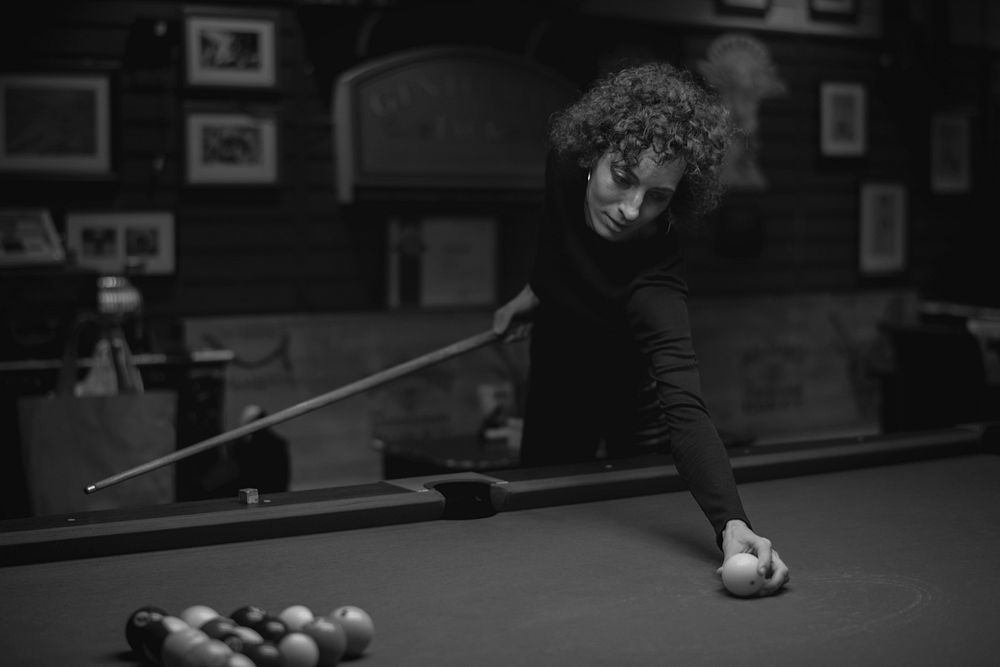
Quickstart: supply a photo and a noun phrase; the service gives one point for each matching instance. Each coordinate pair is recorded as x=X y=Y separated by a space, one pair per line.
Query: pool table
x=893 y=543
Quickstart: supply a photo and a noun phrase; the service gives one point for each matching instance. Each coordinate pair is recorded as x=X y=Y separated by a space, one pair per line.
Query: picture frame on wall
x=882 y=229
x=55 y=124
x=833 y=10
x=231 y=147
x=122 y=242
x=843 y=119
x=744 y=7
x=230 y=49
x=951 y=165
x=28 y=238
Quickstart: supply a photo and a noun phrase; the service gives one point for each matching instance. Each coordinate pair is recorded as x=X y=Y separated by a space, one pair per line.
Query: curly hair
x=651 y=106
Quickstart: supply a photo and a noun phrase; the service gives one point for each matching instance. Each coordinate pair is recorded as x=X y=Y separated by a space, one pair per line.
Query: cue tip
x=90 y=489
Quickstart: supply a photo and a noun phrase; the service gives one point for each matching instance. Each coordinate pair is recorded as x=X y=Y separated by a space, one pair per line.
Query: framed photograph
x=122 y=242
x=55 y=124
x=951 y=166
x=883 y=234
x=230 y=49
x=28 y=238
x=843 y=119
x=231 y=148
x=745 y=7
x=834 y=10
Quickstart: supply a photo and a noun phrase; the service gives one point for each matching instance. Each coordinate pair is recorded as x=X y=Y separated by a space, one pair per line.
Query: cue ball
x=740 y=576
x=359 y=627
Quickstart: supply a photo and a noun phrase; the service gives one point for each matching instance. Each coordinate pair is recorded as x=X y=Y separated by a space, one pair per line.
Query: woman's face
x=621 y=202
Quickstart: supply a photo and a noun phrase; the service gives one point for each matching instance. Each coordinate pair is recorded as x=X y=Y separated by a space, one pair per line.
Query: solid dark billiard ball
x=157 y=633
x=137 y=624
x=298 y=650
x=740 y=575
x=264 y=655
x=359 y=627
x=296 y=616
x=271 y=628
x=248 y=615
x=330 y=638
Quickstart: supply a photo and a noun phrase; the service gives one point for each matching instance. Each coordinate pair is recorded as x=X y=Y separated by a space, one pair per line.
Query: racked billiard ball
x=156 y=634
x=196 y=615
x=359 y=627
x=248 y=615
x=177 y=644
x=218 y=626
x=265 y=654
x=295 y=616
x=298 y=650
x=211 y=653
x=270 y=627
x=137 y=624
x=330 y=638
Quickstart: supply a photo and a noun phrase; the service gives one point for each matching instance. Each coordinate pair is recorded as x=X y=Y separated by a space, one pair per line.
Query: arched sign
x=444 y=118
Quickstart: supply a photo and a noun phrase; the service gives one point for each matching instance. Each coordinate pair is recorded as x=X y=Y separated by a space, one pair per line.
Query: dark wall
x=293 y=248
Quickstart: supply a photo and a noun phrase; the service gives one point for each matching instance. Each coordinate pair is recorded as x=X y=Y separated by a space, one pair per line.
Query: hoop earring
x=589 y=173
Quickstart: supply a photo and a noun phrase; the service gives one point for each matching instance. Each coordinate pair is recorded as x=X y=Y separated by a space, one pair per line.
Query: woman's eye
x=620 y=177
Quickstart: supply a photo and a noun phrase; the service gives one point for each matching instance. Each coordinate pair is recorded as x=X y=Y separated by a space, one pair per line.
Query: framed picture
x=230 y=49
x=843 y=119
x=951 y=169
x=883 y=236
x=56 y=124
x=745 y=7
x=119 y=242
x=231 y=147
x=28 y=238
x=834 y=10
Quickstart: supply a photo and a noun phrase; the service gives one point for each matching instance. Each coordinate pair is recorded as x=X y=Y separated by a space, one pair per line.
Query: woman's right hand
x=512 y=321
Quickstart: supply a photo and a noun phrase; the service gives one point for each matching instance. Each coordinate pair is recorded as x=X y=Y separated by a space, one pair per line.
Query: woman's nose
x=630 y=205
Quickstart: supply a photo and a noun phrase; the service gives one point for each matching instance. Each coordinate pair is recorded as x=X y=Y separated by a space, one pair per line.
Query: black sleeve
x=659 y=320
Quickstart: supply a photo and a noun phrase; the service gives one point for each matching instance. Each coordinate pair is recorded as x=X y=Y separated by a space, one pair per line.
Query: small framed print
x=121 y=242
x=834 y=10
x=745 y=7
x=951 y=168
x=883 y=233
x=55 y=124
x=231 y=147
x=843 y=119
x=230 y=49
x=28 y=238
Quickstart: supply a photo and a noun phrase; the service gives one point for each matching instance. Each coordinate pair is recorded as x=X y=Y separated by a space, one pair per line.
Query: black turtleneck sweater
x=615 y=313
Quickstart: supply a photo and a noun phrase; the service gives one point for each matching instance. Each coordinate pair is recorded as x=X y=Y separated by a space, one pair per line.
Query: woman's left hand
x=738 y=538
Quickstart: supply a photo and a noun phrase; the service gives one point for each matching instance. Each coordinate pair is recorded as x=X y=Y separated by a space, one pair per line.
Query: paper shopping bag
x=71 y=441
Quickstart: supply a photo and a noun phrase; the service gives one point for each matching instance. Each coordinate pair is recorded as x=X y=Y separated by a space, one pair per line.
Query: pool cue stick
x=364 y=384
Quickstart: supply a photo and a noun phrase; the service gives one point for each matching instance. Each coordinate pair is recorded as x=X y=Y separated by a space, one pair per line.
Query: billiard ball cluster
x=248 y=637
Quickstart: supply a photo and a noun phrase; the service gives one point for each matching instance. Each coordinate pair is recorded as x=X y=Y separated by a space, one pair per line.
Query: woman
x=612 y=362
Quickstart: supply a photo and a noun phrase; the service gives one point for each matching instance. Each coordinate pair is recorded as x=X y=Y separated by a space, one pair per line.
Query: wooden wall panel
x=295 y=248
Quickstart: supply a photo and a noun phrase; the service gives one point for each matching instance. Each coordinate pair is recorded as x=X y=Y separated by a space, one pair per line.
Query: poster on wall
x=951 y=171
x=882 y=247
x=441 y=261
